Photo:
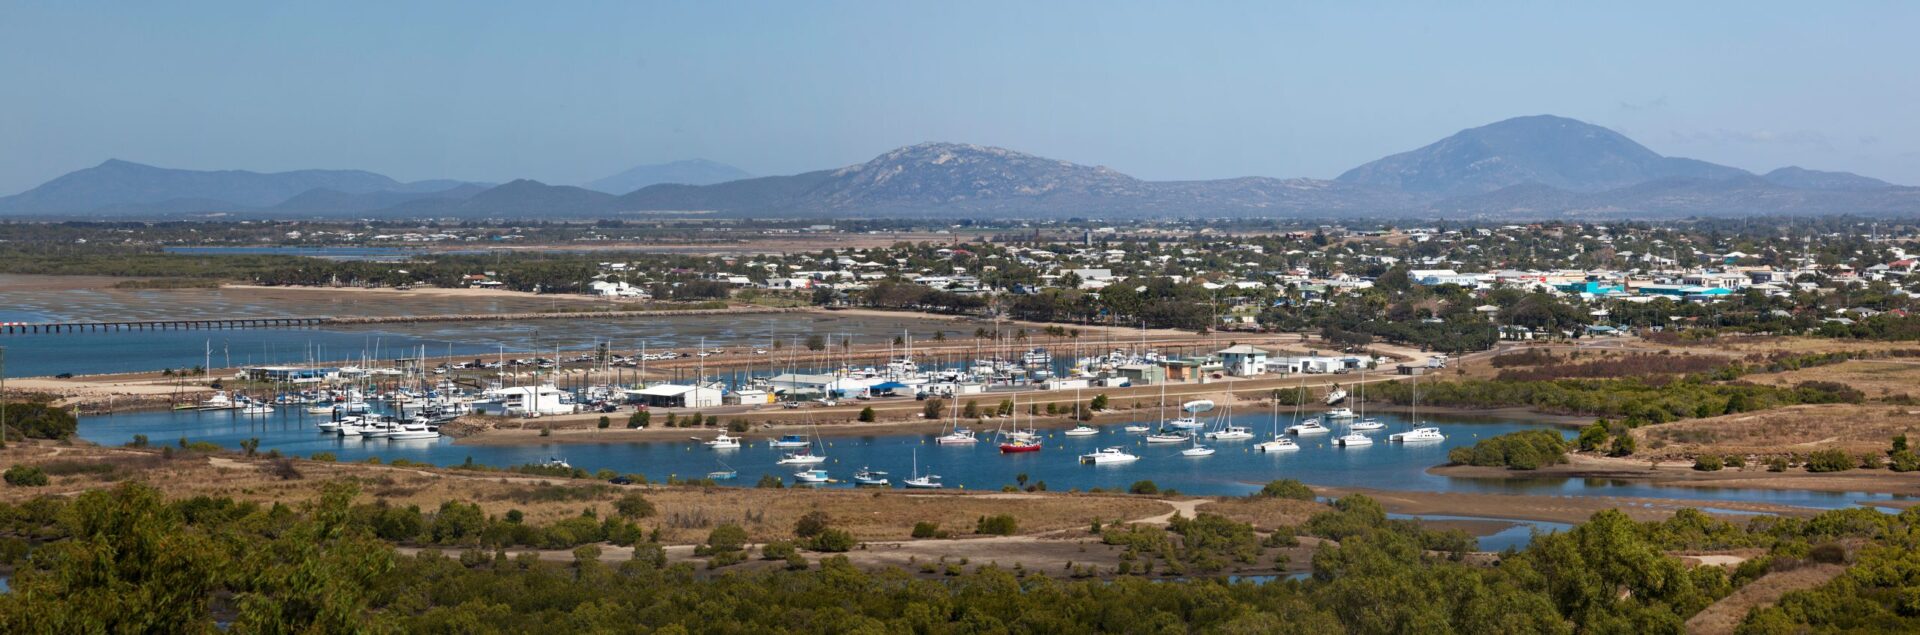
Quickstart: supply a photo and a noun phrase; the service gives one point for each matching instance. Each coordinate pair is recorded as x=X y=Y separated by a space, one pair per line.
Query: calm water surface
x=1234 y=470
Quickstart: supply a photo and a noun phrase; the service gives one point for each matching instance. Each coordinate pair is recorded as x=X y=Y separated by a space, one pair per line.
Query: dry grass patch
x=1854 y=428
x=1265 y=514
x=1882 y=379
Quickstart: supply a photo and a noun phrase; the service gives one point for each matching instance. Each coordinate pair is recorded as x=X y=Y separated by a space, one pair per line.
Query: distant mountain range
x=124 y=188
x=1526 y=167
x=688 y=172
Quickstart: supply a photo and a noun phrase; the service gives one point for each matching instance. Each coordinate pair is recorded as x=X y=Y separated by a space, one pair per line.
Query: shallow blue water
x=1234 y=470
x=329 y=253
x=130 y=351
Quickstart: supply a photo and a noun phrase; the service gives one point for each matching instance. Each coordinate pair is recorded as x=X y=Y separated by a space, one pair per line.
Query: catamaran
x=1365 y=424
x=1280 y=442
x=1108 y=455
x=1353 y=440
x=1420 y=434
x=958 y=435
x=1308 y=428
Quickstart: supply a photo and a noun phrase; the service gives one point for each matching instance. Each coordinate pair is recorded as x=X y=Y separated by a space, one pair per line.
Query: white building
x=1243 y=360
x=525 y=401
x=676 y=396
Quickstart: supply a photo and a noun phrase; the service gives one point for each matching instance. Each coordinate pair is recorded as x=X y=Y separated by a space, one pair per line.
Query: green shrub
x=1829 y=461
x=777 y=550
x=1707 y=463
x=1524 y=450
x=866 y=415
x=769 y=481
x=1147 y=488
x=724 y=538
x=639 y=419
x=811 y=524
x=997 y=525
x=633 y=505
x=1904 y=461
x=604 y=422
x=832 y=540
x=924 y=529
x=1777 y=464
x=26 y=476
x=726 y=559
x=1623 y=445
x=1286 y=488
x=1593 y=437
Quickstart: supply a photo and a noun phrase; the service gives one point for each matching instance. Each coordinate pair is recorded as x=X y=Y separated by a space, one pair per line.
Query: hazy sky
x=565 y=92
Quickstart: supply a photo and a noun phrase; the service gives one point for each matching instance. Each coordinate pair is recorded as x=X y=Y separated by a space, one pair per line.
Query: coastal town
x=863 y=318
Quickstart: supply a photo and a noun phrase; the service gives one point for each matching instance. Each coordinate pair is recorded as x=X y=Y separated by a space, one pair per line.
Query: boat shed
x=675 y=396
x=799 y=383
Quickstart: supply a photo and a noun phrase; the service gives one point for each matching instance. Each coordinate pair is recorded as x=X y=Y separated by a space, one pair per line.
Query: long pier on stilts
x=16 y=328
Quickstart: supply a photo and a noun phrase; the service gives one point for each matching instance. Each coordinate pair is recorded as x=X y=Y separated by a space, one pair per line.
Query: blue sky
x=569 y=91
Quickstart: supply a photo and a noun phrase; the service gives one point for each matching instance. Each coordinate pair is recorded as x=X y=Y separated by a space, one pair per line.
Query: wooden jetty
x=14 y=328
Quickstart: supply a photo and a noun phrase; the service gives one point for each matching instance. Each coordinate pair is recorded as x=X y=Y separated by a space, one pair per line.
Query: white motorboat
x=803 y=457
x=1108 y=455
x=1366 y=425
x=377 y=429
x=557 y=462
x=811 y=477
x=1137 y=428
x=219 y=401
x=414 y=430
x=1082 y=430
x=1168 y=437
x=1418 y=435
x=256 y=409
x=1278 y=444
x=1231 y=433
x=870 y=478
x=790 y=441
x=723 y=442
x=1307 y=428
x=320 y=410
x=1340 y=413
x=1353 y=440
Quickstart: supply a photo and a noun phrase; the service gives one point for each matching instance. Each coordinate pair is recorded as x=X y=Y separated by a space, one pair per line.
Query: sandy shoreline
x=1556 y=509
x=1679 y=474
